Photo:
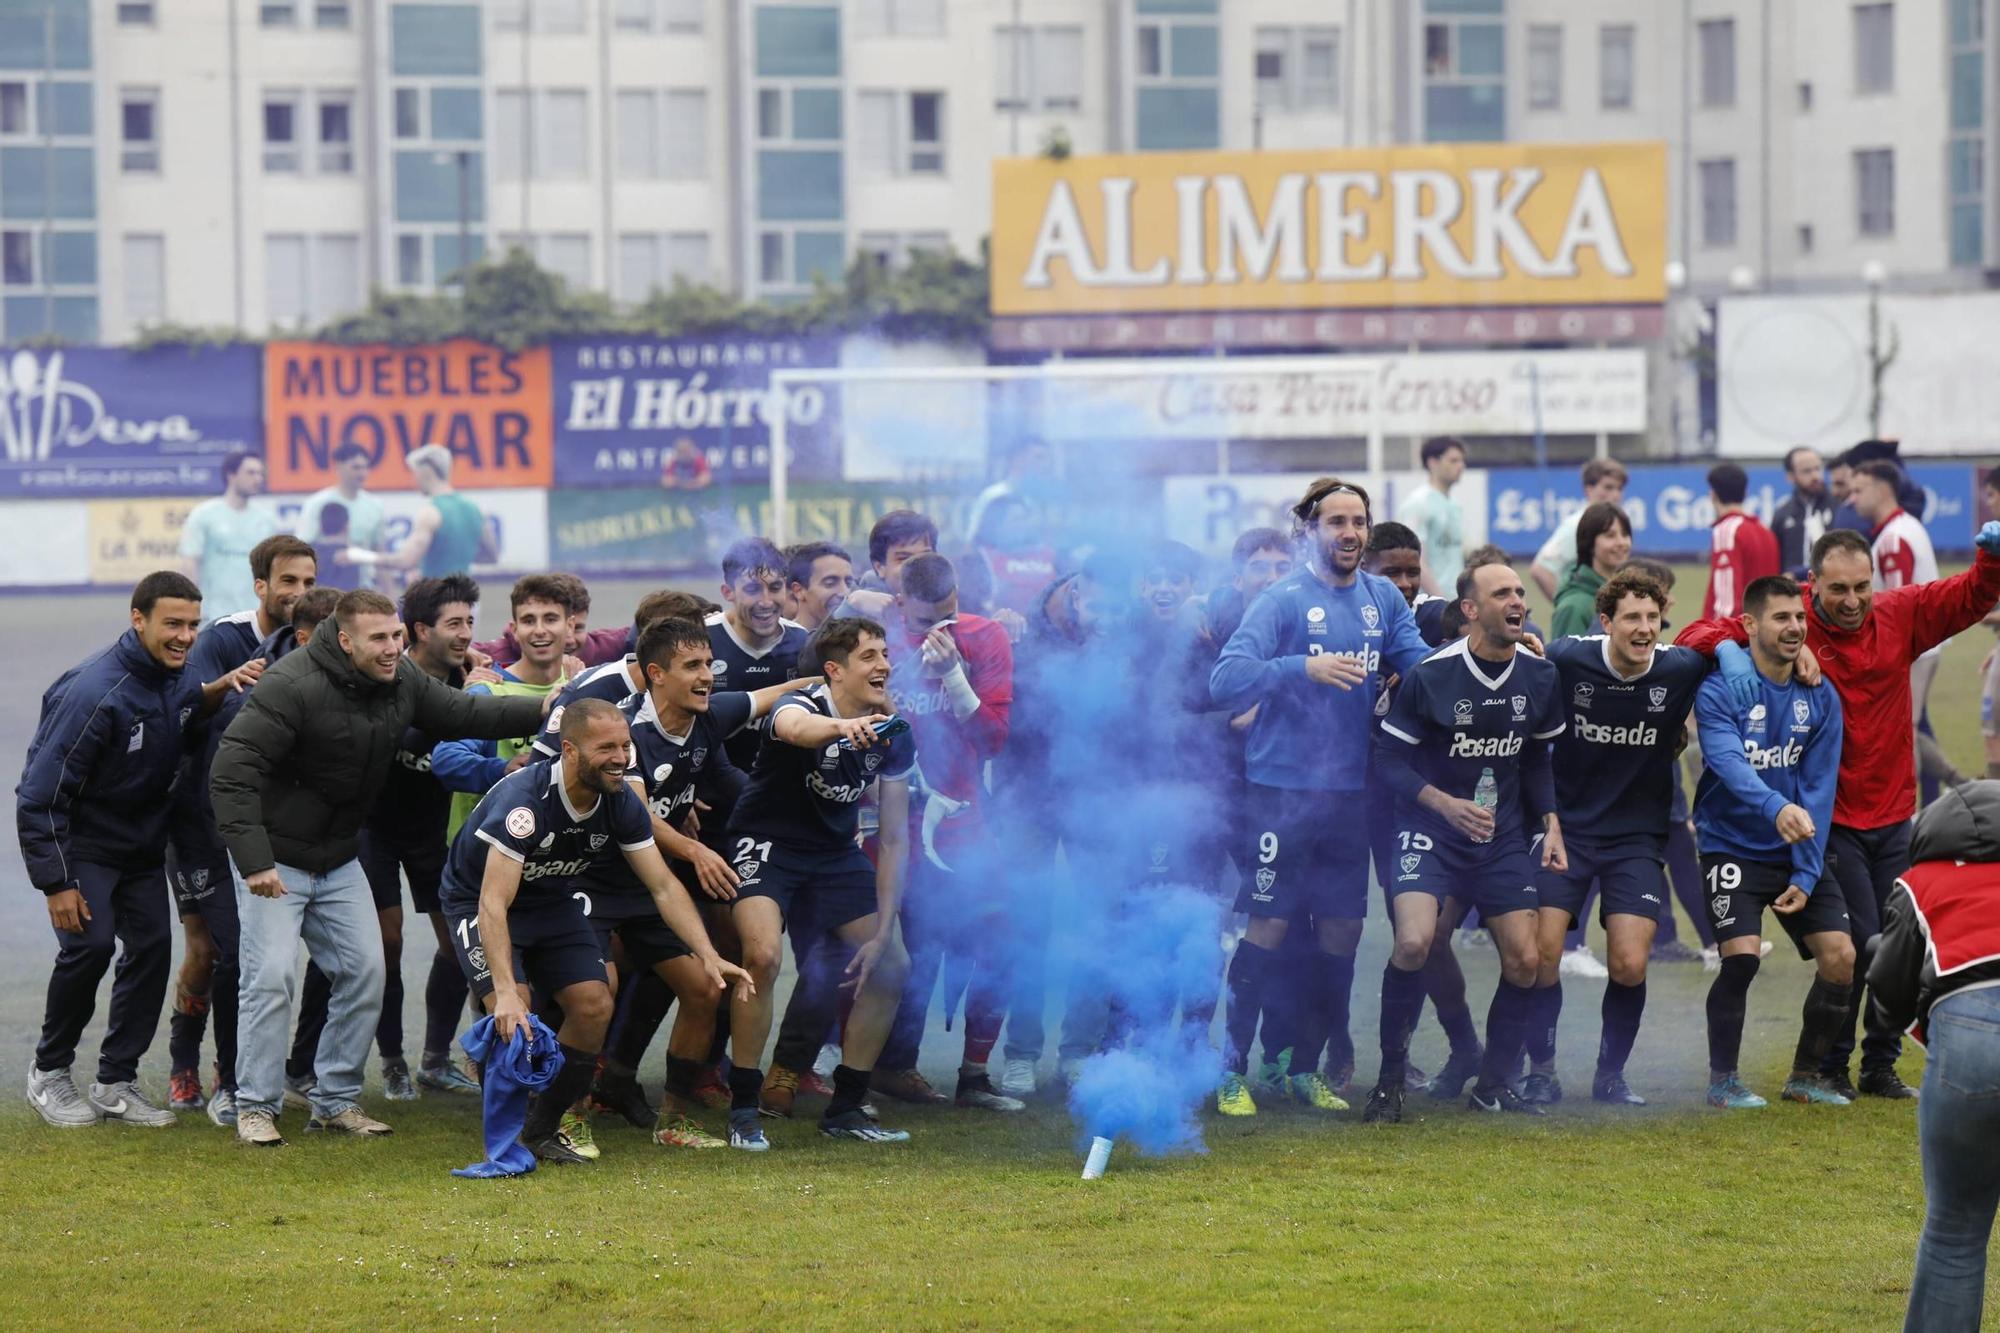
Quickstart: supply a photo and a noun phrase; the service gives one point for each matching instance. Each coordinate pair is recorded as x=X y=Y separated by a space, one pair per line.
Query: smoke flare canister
x=1100 y=1155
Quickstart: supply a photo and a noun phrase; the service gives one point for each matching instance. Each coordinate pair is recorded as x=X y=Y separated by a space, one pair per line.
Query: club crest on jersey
x=1756 y=712
x=1658 y=694
x=597 y=841
x=1801 y=711
x=1520 y=702
x=1266 y=877
x=1410 y=862
x=717 y=666
x=1581 y=695
x=871 y=761
x=186 y=713
x=1370 y=616
x=698 y=757
x=521 y=821
x=1461 y=712
x=1159 y=857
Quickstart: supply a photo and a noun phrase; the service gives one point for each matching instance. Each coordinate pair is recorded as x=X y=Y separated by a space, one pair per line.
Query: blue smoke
x=1148 y=1088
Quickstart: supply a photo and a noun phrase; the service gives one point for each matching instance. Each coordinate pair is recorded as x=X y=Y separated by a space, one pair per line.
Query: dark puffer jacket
x=299 y=768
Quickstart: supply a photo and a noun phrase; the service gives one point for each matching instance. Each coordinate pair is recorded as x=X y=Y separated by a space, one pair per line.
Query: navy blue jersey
x=609 y=681
x=1614 y=762
x=414 y=808
x=224 y=644
x=669 y=768
x=1457 y=718
x=811 y=799
x=738 y=666
x=527 y=816
x=1309 y=736
x=1783 y=750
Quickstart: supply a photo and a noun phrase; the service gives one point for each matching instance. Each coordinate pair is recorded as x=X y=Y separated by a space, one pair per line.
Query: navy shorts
x=648 y=940
x=1739 y=890
x=200 y=889
x=1631 y=878
x=1305 y=860
x=1495 y=879
x=554 y=946
x=816 y=892
x=386 y=861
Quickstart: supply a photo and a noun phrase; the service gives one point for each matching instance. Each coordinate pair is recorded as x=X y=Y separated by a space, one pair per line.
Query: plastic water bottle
x=1486 y=796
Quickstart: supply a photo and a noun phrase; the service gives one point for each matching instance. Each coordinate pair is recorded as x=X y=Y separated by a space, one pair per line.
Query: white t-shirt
x=1558 y=553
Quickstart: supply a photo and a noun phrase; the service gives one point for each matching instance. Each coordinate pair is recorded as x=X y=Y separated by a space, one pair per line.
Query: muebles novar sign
x=1434 y=226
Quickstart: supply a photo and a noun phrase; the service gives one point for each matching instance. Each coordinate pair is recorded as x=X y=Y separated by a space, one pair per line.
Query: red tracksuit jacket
x=1871 y=668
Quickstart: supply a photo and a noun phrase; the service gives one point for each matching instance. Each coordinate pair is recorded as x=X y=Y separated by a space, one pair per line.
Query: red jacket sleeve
x=503 y=650
x=1704 y=636
x=989 y=666
x=1941 y=608
x=604 y=645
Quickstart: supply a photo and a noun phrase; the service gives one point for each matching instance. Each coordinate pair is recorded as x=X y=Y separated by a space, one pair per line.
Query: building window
x=1805 y=238
x=1152 y=43
x=1297 y=69
x=553 y=145
x=14 y=116
x=901 y=134
x=1614 y=66
x=1875 y=191
x=145 y=278
x=657 y=144
x=1718 y=203
x=139 y=129
x=1545 y=69
x=332 y=14
x=409 y=260
x=682 y=17
x=281 y=132
x=1038 y=69
x=558 y=16
x=135 y=13
x=278 y=13
x=17 y=258
x=336 y=134
x=508 y=16
x=649 y=263
x=1717 y=39
x=1805 y=96
x=632 y=15
x=899 y=18
x=1874 y=49
x=409 y=113
x=309 y=280
x=893 y=249
x=1465 y=72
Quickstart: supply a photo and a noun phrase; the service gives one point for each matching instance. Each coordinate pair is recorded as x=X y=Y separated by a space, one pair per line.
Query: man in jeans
x=293 y=779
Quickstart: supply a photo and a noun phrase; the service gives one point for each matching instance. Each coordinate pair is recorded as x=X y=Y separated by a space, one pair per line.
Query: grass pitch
x=1669 y=1217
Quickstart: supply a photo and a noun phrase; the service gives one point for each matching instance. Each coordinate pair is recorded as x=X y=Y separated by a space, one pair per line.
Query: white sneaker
x=1764 y=949
x=1017 y=1079
x=827 y=1061
x=259 y=1129
x=123 y=1101
x=53 y=1094
x=1711 y=959
x=298 y=1094
x=350 y=1121
x=222 y=1108
x=1474 y=939
x=1583 y=963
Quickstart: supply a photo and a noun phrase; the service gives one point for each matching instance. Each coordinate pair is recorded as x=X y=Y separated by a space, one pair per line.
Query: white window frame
x=1886 y=230
x=141 y=157
x=158 y=241
x=1865 y=50
x=319 y=306
x=1708 y=90
x=1033 y=44
x=1545 y=94
x=904 y=150
x=331 y=157
x=278 y=155
x=1710 y=241
x=278 y=13
x=902 y=18
x=323 y=8
x=1291 y=91
x=1630 y=34
x=894 y=248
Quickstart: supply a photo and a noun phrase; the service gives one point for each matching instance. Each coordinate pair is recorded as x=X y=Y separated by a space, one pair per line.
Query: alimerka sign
x=1431 y=226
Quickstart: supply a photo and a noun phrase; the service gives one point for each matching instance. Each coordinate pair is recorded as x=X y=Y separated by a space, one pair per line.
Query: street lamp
x=1882 y=344
x=1743 y=278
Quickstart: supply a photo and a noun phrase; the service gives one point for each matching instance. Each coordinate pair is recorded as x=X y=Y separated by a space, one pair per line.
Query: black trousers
x=1866 y=862
x=132 y=908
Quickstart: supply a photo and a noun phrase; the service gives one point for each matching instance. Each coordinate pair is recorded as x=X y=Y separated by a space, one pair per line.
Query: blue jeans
x=1958 y=1124
x=334 y=914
